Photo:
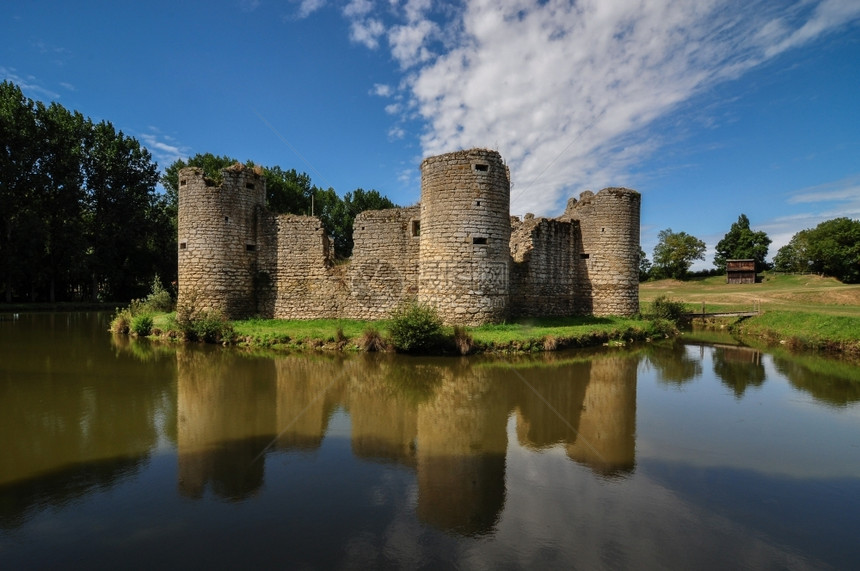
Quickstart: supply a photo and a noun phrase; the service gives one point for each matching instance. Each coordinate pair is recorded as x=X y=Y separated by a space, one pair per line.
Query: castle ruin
x=459 y=251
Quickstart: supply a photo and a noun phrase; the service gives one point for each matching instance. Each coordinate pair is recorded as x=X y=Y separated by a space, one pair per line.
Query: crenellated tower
x=218 y=234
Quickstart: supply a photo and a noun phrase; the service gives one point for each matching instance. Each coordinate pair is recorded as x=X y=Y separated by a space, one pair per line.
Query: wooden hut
x=740 y=271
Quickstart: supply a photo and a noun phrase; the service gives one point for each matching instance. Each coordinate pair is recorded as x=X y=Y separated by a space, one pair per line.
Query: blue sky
x=709 y=108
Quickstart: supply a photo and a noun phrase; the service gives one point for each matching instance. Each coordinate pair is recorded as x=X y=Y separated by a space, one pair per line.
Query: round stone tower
x=218 y=239
x=609 y=256
x=465 y=234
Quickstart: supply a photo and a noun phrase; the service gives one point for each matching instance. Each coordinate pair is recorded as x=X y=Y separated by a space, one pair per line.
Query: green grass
x=275 y=330
x=568 y=328
x=809 y=293
x=803 y=330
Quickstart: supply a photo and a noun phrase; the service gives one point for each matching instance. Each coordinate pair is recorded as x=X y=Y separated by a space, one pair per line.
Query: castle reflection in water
x=445 y=419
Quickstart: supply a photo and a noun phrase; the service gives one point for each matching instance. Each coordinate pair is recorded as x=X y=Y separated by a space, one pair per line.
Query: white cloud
x=28 y=85
x=163 y=148
x=308 y=7
x=357 y=8
x=366 y=32
x=382 y=90
x=565 y=91
x=408 y=43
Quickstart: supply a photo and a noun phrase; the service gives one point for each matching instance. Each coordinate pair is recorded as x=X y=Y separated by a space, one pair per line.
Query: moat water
x=124 y=454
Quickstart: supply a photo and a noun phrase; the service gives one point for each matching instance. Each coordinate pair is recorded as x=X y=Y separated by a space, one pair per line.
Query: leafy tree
x=61 y=198
x=741 y=243
x=644 y=266
x=833 y=248
x=289 y=191
x=794 y=256
x=79 y=212
x=344 y=214
x=675 y=253
x=120 y=177
x=19 y=155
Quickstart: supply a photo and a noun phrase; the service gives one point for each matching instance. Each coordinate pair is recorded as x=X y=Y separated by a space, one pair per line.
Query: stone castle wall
x=383 y=271
x=545 y=272
x=459 y=251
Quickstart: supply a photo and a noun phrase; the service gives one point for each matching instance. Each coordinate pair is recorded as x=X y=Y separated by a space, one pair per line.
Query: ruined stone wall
x=305 y=282
x=459 y=251
x=383 y=271
x=608 y=277
x=218 y=239
x=465 y=236
x=545 y=266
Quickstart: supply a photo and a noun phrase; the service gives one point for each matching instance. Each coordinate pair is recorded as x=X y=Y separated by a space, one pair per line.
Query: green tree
x=344 y=213
x=61 y=200
x=675 y=253
x=794 y=256
x=122 y=213
x=741 y=243
x=644 y=266
x=19 y=155
x=834 y=249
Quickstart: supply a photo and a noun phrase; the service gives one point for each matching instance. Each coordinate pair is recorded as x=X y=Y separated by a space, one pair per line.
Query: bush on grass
x=670 y=310
x=141 y=325
x=415 y=328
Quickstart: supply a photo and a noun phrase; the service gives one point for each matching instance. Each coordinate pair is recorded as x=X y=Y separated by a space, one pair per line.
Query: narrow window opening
x=250 y=247
x=249 y=185
x=226 y=219
x=482 y=167
x=584 y=256
x=416 y=228
x=183 y=182
x=603 y=229
x=477 y=203
x=480 y=241
x=182 y=245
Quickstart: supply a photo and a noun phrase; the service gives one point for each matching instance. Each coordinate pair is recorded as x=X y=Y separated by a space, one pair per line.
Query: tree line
x=82 y=219
x=832 y=249
x=80 y=215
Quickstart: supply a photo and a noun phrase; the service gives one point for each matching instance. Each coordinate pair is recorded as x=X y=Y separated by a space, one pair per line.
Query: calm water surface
x=118 y=454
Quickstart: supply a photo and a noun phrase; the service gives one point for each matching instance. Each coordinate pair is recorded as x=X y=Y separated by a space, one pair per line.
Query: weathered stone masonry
x=459 y=250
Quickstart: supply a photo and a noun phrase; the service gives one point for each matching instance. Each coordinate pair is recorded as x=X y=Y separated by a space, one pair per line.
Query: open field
x=776 y=292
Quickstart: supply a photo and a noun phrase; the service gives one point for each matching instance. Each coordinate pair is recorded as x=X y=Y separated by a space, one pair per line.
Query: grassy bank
x=532 y=335
x=799 y=312
x=804 y=331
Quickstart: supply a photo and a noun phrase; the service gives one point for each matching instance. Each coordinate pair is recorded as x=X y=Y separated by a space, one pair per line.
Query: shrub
x=371 y=340
x=121 y=322
x=159 y=299
x=415 y=328
x=663 y=328
x=141 y=325
x=665 y=308
x=198 y=324
x=209 y=327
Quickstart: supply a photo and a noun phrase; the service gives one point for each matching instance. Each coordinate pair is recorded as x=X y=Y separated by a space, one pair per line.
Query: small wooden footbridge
x=756 y=310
